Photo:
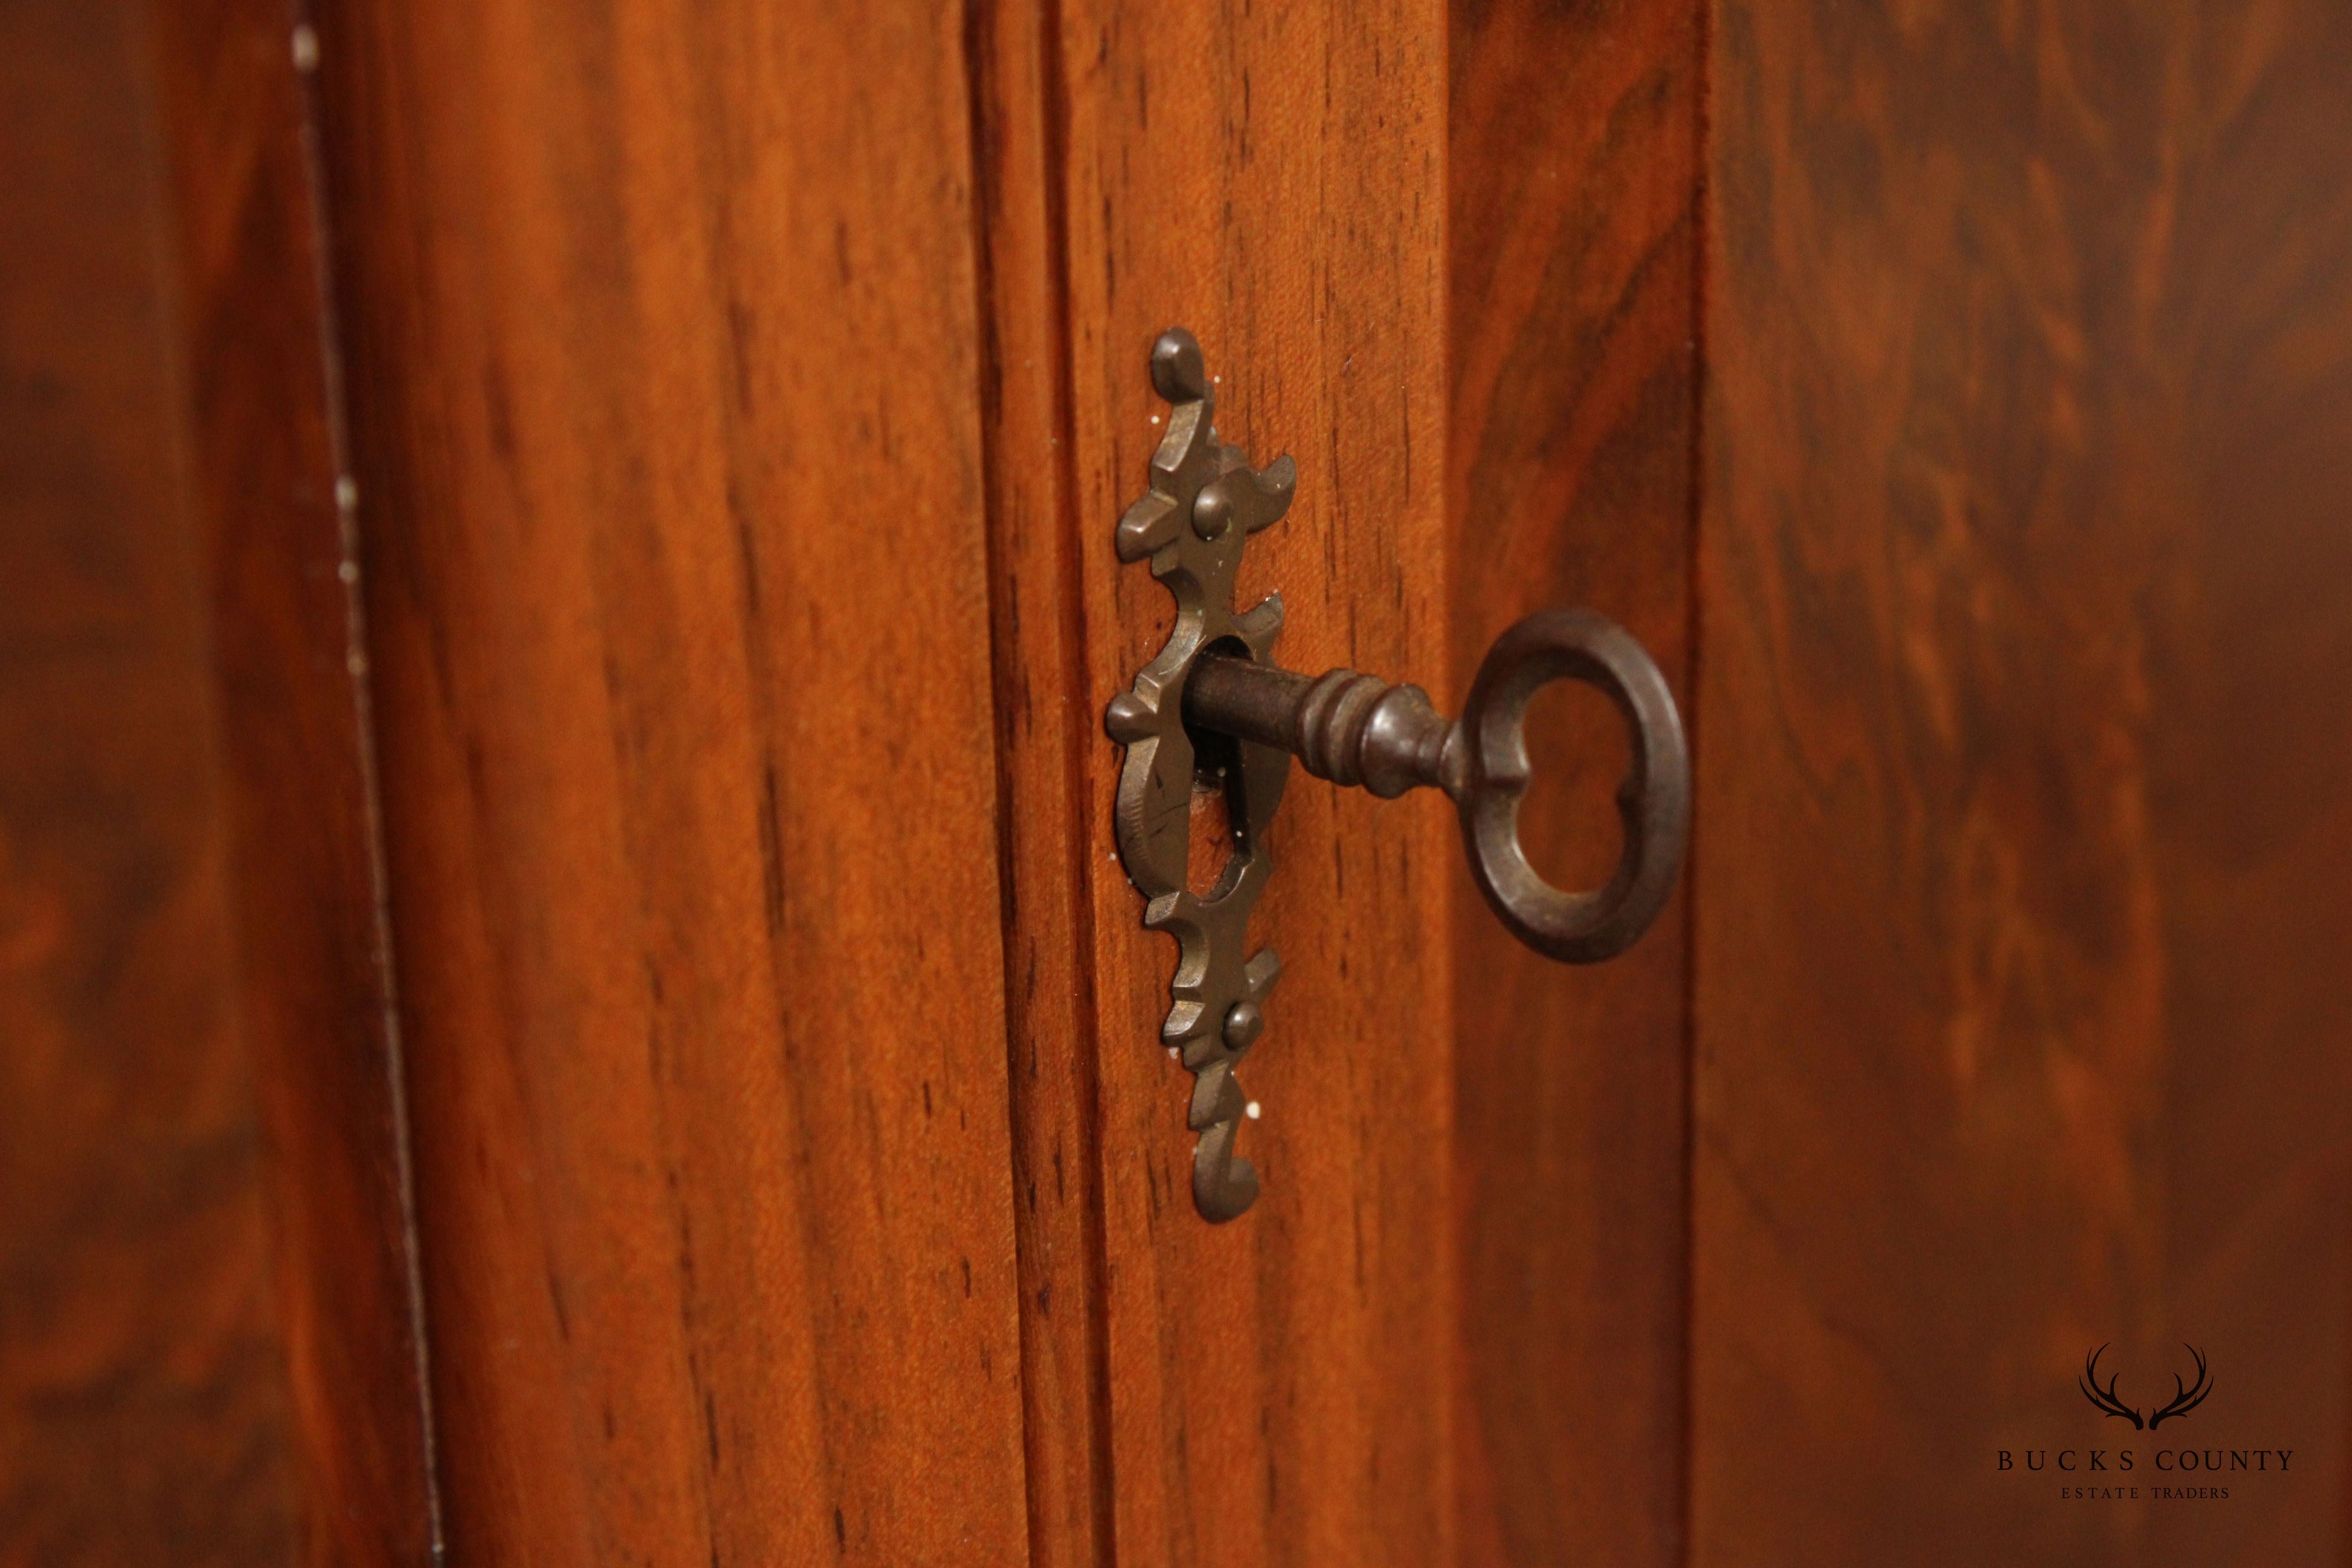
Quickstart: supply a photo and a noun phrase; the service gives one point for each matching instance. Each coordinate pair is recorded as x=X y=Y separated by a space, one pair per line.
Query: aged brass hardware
x=1213 y=707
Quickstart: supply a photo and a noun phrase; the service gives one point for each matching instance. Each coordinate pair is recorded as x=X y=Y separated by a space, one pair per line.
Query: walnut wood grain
x=145 y=1407
x=1272 y=178
x=1045 y=730
x=2028 y=852
x=1572 y=276
x=664 y=384
x=313 y=968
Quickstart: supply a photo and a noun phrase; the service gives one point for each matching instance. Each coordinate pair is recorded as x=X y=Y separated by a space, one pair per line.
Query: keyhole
x=1214 y=758
x=1212 y=844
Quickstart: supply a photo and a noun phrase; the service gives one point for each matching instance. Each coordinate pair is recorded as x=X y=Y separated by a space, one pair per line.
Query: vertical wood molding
x=233 y=1295
x=663 y=362
x=1573 y=277
x=1273 y=178
x=1046 y=732
x=313 y=964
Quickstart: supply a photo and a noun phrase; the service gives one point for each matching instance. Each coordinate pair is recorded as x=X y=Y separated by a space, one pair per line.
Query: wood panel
x=2027 y=846
x=143 y=1403
x=1046 y=731
x=1573 y=191
x=1277 y=1388
x=313 y=966
x=664 y=384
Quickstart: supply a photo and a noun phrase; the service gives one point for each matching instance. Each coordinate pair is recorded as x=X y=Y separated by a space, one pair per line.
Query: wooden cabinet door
x=640 y=1019
x=742 y=404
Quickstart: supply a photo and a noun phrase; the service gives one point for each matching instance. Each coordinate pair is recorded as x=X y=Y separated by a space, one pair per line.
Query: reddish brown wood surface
x=1278 y=1387
x=1046 y=728
x=312 y=970
x=1574 y=257
x=144 y=1402
x=2025 y=843
x=209 y=1305
x=664 y=374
